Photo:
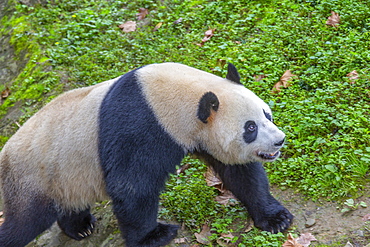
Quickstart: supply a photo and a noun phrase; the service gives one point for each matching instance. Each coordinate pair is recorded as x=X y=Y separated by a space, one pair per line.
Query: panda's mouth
x=267 y=156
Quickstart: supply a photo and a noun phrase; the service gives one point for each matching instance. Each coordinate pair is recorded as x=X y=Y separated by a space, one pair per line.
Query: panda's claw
x=276 y=219
x=282 y=227
x=78 y=226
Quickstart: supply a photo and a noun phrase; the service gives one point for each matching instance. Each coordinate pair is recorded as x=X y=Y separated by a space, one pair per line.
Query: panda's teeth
x=267 y=155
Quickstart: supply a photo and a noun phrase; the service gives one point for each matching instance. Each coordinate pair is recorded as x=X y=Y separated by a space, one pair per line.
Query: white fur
x=56 y=150
x=174 y=90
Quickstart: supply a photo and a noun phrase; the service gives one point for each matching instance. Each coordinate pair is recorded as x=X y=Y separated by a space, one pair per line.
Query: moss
x=3 y=140
x=34 y=80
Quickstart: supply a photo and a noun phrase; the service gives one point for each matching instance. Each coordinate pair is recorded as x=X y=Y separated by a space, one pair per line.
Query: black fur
x=232 y=73
x=30 y=218
x=267 y=115
x=250 y=185
x=77 y=225
x=250 y=131
x=26 y=221
x=208 y=102
x=162 y=235
x=137 y=156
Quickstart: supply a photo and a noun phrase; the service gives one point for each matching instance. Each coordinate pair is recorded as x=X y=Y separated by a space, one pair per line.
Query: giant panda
x=121 y=139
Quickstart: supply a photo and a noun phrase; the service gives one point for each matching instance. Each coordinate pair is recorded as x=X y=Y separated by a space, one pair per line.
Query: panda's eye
x=252 y=127
x=250 y=131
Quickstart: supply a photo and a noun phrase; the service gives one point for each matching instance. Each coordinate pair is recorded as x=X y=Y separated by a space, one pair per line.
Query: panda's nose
x=280 y=143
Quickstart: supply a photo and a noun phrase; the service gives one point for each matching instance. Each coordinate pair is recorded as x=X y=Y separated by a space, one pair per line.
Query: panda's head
x=237 y=125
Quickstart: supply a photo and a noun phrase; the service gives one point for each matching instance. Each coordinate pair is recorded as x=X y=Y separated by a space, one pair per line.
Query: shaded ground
x=324 y=220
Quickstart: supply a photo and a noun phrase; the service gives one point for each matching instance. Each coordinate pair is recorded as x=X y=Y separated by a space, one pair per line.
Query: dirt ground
x=325 y=220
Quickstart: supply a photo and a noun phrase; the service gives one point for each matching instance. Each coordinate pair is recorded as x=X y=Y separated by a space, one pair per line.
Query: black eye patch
x=267 y=115
x=250 y=131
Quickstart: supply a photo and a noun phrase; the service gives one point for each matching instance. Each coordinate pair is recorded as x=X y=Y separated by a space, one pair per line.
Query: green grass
x=325 y=116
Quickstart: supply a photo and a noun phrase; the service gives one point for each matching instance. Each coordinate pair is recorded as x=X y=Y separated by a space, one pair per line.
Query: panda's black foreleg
x=77 y=225
x=25 y=219
x=250 y=185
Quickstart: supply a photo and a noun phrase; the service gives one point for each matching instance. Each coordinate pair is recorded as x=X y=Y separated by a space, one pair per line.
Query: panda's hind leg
x=77 y=225
x=25 y=219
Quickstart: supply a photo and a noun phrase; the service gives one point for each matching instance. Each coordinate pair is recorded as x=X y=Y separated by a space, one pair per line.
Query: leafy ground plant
x=324 y=112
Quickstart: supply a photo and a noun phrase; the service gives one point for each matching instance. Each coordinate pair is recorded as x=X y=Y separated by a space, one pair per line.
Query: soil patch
x=326 y=221
x=322 y=219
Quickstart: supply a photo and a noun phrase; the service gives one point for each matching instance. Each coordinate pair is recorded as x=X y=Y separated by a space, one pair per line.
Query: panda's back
x=57 y=148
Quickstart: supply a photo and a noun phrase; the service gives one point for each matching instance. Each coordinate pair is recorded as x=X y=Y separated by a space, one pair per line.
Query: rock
x=360 y=233
x=348 y=245
x=310 y=223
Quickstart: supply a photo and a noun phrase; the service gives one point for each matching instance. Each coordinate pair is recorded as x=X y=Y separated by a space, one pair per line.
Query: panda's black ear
x=232 y=73
x=207 y=106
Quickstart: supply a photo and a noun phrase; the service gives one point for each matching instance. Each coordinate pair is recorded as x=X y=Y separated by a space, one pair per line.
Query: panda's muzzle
x=267 y=156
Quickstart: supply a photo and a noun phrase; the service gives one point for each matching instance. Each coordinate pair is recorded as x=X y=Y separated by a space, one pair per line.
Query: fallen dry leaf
x=209 y=33
x=128 y=26
x=305 y=239
x=366 y=217
x=285 y=78
x=214 y=180
x=227 y=237
x=157 y=26
x=227 y=198
x=143 y=12
x=178 y=21
x=333 y=20
x=283 y=82
x=211 y=177
x=179 y=240
x=182 y=169
x=221 y=63
x=203 y=236
x=352 y=76
x=259 y=77
x=249 y=225
x=5 y=93
x=291 y=242
x=207 y=36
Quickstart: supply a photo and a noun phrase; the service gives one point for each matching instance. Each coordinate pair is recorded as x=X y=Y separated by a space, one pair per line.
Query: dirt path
x=325 y=220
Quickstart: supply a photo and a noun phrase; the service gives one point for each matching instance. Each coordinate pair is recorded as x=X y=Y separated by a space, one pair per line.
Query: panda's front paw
x=162 y=235
x=275 y=219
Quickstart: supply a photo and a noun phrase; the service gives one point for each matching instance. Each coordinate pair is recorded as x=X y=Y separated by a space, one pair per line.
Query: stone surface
x=310 y=222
